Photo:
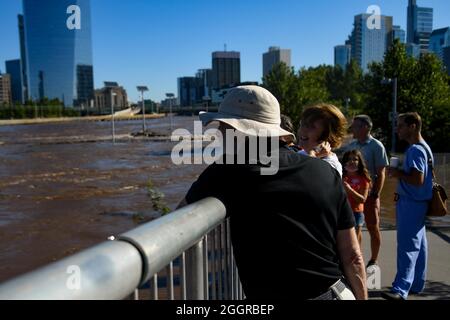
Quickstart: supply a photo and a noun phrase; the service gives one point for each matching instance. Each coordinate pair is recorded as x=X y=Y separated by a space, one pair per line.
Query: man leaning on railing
x=292 y=229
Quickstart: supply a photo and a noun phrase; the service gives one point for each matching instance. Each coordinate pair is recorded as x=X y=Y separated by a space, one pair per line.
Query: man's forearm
x=379 y=183
x=352 y=262
x=355 y=274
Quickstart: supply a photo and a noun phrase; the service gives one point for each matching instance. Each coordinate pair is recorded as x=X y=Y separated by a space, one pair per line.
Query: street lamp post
x=394 y=83
x=143 y=89
x=170 y=96
x=207 y=99
x=347 y=101
x=113 y=94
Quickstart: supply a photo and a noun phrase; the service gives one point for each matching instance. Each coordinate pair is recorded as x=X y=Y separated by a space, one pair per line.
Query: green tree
x=283 y=83
x=347 y=84
x=313 y=87
x=294 y=90
x=422 y=87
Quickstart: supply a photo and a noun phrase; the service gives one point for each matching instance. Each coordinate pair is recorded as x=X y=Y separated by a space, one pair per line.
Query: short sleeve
x=365 y=183
x=416 y=160
x=381 y=158
x=346 y=218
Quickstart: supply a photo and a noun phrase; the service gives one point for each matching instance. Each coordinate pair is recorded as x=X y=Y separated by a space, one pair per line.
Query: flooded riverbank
x=65 y=186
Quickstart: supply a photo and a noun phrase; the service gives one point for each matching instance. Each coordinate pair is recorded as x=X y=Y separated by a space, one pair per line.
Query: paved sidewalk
x=438 y=283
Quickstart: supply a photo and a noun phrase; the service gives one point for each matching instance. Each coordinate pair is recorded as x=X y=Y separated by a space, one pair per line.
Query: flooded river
x=65 y=186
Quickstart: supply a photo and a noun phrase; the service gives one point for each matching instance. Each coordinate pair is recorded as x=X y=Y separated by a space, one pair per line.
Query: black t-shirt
x=284 y=226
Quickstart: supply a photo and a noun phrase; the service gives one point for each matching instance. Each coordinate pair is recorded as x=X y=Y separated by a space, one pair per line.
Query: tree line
x=422 y=86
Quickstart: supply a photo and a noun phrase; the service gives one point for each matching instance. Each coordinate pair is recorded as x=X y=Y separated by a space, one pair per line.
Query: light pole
x=143 y=89
x=113 y=94
x=394 y=82
x=207 y=99
x=347 y=101
x=170 y=96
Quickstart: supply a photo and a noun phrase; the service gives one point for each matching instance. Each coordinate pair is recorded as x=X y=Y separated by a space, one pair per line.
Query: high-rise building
x=226 y=68
x=273 y=56
x=187 y=91
x=370 y=45
x=399 y=33
x=5 y=89
x=23 y=58
x=14 y=69
x=413 y=50
x=204 y=82
x=342 y=55
x=58 y=52
x=420 y=25
x=439 y=39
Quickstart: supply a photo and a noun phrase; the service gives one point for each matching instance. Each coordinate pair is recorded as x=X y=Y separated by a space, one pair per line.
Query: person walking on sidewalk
x=377 y=160
x=415 y=184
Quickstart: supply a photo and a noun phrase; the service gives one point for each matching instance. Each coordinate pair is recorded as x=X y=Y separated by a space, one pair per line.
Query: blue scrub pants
x=412 y=247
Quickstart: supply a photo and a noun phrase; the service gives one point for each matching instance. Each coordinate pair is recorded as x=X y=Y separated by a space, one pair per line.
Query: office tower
x=226 y=66
x=23 y=58
x=420 y=25
x=411 y=20
x=413 y=50
x=204 y=83
x=370 y=45
x=342 y=55
x=58 y=54
x=187 y=91
x=440 y=39
x=399 y=33
x=5 y=89
x=111 y=95
x=273 y=56
x=14 y=69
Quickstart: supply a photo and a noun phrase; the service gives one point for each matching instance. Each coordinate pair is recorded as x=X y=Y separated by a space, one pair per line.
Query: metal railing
x=191 y=246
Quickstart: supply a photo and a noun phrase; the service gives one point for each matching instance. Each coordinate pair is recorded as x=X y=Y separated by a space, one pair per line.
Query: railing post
x=194 y=272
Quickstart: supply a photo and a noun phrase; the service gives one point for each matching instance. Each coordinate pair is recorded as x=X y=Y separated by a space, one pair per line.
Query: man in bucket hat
x=293 y=231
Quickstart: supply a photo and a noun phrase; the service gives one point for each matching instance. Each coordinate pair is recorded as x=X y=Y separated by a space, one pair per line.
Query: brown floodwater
x=65 y=186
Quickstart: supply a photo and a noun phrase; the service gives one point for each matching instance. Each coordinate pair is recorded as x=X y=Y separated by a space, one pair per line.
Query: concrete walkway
x=438 y=283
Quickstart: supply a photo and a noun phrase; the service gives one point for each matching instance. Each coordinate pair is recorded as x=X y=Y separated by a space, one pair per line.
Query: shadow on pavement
x=434 y=290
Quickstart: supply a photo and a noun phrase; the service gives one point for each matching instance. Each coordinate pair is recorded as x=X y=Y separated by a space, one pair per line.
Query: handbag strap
x=430 y=159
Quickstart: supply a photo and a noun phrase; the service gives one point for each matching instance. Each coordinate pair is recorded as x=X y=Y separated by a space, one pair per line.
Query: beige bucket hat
x=251 y=110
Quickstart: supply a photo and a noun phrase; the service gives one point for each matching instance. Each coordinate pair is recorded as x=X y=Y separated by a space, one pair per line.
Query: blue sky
x=153 y=42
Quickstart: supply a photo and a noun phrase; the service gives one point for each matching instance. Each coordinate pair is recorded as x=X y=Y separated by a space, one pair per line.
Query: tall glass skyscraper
x=370 y=45
x=13 y=68
x=58 y=58
x=420 y=25
x=342 y=55
x=399 y=33
x=440 y=39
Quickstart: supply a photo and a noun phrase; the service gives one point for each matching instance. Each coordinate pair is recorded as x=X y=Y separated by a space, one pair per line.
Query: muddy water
x=65 y=187
x=57 y=198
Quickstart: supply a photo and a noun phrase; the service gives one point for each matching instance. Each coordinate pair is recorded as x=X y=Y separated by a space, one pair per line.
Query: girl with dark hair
x=356 y=179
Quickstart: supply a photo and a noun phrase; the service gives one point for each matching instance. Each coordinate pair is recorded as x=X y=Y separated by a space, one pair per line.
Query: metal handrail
x=115 y=269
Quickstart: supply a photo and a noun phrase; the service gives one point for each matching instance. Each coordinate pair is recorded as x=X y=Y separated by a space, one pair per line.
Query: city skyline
x=155 y=42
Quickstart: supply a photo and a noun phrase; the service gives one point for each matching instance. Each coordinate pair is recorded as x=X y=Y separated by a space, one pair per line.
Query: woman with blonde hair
x=322 y=128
